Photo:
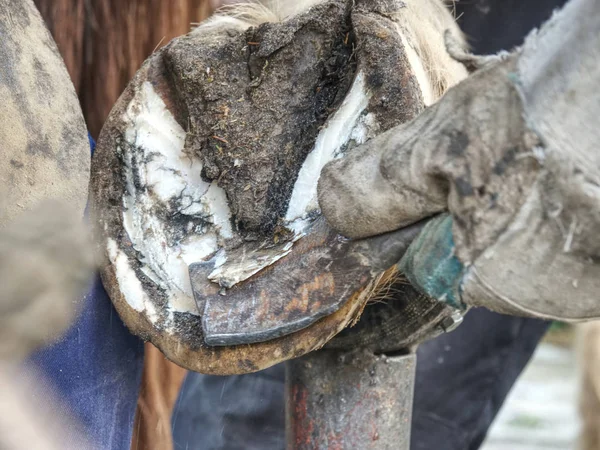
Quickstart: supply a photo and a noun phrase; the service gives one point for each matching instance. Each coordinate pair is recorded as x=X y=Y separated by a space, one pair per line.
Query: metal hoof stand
x=349 y=400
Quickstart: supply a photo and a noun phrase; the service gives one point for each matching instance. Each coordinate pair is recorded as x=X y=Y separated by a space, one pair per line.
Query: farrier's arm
x=513 y=155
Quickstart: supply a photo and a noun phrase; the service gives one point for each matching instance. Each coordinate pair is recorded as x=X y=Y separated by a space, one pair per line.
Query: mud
x=255 y=102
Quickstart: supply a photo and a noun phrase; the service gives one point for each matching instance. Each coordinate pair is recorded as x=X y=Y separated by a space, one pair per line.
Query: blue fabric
x=244 y=412
x=96 y=370
x=430 y=264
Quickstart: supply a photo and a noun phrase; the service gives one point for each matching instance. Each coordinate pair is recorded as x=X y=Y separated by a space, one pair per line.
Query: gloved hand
x=509 y=161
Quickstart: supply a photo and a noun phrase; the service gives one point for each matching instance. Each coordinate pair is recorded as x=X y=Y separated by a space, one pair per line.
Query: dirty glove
x=508 y=164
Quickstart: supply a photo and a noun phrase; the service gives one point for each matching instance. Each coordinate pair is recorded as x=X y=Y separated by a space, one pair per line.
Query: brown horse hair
x=104 y=42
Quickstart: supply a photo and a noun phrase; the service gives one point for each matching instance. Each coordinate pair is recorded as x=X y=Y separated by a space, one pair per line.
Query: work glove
x=507 y=169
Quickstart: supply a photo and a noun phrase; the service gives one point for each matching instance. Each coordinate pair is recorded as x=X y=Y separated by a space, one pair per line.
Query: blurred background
x=542 y=410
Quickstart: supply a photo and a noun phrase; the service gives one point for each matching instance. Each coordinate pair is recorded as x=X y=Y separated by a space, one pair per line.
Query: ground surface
x=540 y=413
